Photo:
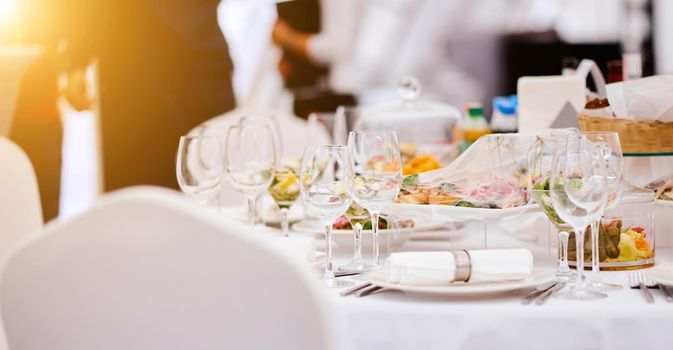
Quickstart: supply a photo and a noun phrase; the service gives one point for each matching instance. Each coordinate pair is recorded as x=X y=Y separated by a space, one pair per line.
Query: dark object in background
x=164 y=68
x=304 y=16
x=534 y=54
x=309 y=100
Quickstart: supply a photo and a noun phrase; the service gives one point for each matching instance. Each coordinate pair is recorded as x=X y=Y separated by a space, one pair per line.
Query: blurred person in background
x=163 y=68
x=317 y=38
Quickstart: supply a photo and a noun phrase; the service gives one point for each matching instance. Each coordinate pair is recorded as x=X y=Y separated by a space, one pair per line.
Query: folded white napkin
x=648 y=98
x=438 y=268
x=302 y=249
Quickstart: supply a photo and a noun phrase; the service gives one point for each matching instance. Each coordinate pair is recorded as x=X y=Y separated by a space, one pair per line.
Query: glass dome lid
x=411 y=107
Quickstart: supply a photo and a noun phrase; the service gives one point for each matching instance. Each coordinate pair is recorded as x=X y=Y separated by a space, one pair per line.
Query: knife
x=537 y=291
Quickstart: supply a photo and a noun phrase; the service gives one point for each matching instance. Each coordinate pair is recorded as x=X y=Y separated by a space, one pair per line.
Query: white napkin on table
x=438 y=268
x=648 y=98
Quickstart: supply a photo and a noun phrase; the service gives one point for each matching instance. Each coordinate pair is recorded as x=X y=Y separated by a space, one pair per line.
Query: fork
x=652 y=284
x=637 y=280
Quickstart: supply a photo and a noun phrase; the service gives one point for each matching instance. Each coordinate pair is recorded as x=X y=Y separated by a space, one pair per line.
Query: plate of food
x=342 y=232
x=663 y=188
x=464 y=199
x=461 y=289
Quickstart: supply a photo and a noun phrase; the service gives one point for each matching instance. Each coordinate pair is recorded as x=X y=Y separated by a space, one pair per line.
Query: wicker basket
x=637 y=137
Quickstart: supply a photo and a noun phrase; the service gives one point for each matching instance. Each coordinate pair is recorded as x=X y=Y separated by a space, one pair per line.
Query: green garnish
x=410 y=181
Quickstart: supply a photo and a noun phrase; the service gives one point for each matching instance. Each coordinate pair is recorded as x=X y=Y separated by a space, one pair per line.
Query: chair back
x=146 y=268
x=20 y=208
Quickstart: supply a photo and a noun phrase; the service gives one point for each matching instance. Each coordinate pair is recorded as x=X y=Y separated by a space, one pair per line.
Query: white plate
x=470 y=289
x=453 y=213
x=665 y=203
x=661 y=274
x=344 y=238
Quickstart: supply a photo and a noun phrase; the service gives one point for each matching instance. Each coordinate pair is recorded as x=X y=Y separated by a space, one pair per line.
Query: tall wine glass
x=250 y=158
x=610 y=150
x=375 y=175
x=578 y=194
x=357 y=216
x=540 y=162
x=325 y=194
x=199 y=167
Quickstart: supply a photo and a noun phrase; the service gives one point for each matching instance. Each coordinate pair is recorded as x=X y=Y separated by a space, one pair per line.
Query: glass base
x=603 y=287
x=337 y=283
x=579 y=294
x=356 y=266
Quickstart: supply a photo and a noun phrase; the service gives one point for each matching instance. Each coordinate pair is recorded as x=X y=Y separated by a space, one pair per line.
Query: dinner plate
x=665 y=203
x=460 y=289
x=661 y=274
x=344 y=238
x=454 y=213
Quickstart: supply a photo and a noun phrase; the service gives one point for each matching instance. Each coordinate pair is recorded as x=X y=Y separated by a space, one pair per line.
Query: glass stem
x=284 y=221
x=357 y=251
x=563 y=242
x=595 y=256
x=579 y=246
x=375 y=242
x=329 y=270
x=251 y=210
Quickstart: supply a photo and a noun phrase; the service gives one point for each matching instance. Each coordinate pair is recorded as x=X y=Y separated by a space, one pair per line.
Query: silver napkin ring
x=463 y=265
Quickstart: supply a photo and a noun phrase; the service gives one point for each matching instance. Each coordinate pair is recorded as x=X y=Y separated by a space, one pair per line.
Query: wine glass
x=325 y=194
x=358 y=217
x=284 y=189
x=249 y=159
x=610 y=151
x=199 y=167
x=578 y=194
x=540 y=164
x=375 y=175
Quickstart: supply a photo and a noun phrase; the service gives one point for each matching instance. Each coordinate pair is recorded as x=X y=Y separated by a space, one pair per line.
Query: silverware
x=367 y=291
x=549 y=292
x=345 y=274
x=637 y=281
x=354 y=289
x=669 y=296
x=537 y=291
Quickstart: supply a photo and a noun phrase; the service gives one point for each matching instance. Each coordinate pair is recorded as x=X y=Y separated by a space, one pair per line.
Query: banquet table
x=392 y=319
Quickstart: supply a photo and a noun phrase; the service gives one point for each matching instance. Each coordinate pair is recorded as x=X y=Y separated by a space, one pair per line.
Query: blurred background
x=97 y=94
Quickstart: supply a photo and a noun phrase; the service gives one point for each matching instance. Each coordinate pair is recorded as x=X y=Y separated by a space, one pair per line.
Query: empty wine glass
x=199 y=167
x=358 y=217
x=325 y=194
x=610 y=151
x=249 y=159
x=578 y=194
x=375 y=175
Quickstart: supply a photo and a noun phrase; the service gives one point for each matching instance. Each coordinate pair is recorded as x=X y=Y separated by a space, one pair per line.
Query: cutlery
x=669 y=296
x=549 y=292
x=651 y=284
x=637 y=281
x=367 y=291
x=344 y=274
x=537 y=291
x=354 y=289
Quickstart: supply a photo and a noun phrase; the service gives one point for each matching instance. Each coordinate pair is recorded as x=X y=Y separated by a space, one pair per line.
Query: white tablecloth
x=394 y=320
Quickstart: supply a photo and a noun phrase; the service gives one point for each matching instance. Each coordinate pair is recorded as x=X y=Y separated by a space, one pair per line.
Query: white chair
x=147 y=269
x=20 y=208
